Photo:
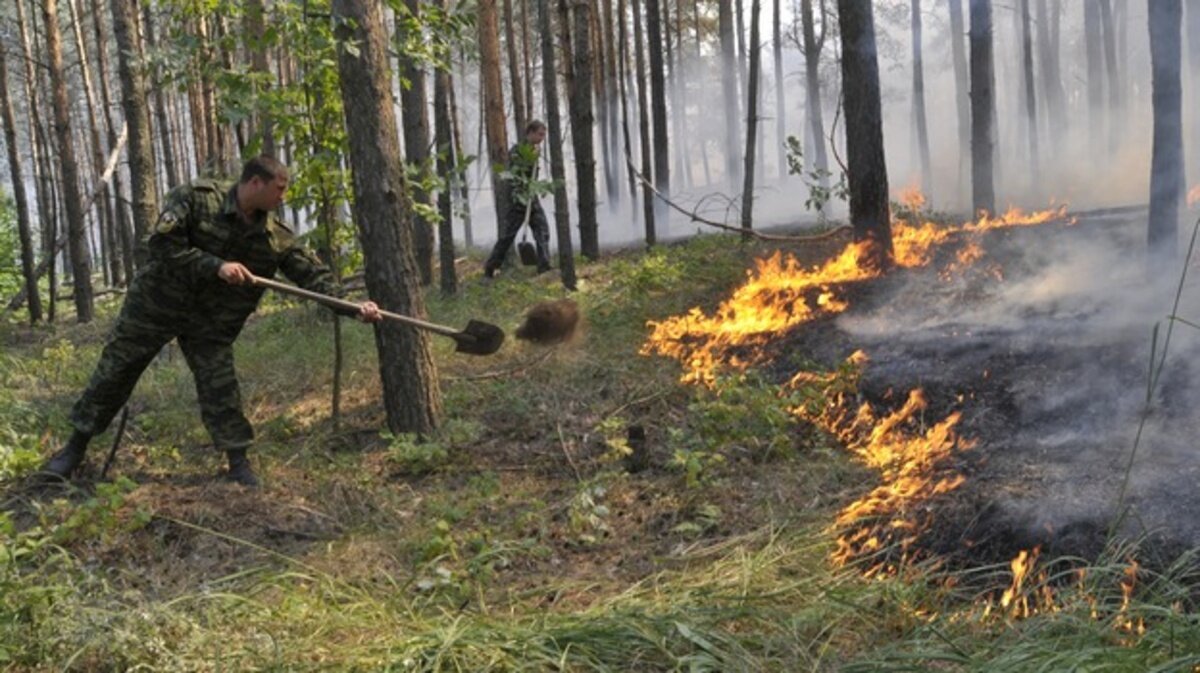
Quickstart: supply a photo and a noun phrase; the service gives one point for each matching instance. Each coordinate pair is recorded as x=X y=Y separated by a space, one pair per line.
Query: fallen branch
x=696 y=217
x=501 y=373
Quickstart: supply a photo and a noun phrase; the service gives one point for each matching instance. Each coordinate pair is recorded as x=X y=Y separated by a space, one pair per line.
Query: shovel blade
x=479 y=338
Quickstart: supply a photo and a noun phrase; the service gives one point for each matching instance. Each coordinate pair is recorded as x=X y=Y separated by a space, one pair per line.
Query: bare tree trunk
x=751 y=121
x=729 y=89
x=982 y=184
x=780 y=107
x=865 y=165
x=1095 y=65
x=603 y=54
x=1114 y=83
x=461 y=175
x=1035 y=160
x=445 y=167
x=81 y=267
x=493 y=104
x=648 y=208
x=49 y=187
x=696 y=55
x=43 y=182
x=1166 y=164
x=919 y=118
x=520 y=112
x=383 y=213
x=416 y=135
x=582 y=122
x=526 y=60
x=137 y=116
x=623 y=51
x=813 y=45
x=123 y=240
x=658 y=109
x=16 y=173
x=1052 y=87
x=610 y=76
x=962 y=94
x=254 y=34
x=558 y=171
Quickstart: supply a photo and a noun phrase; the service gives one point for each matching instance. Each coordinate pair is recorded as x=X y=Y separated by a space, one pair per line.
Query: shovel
x=477 y=338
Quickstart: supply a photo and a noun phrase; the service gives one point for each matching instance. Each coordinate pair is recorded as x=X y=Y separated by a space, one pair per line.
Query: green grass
x=512 y=540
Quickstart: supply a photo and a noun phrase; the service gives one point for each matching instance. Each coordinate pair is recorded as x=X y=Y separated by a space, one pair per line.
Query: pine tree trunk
x=526 y=60
x=16 y=173
x=81 y=268
x=1035 y=159
x=1166 y=164
x=461 y=175
x=52 y=241
x=493 y=104
x=658 y=109
x=120 y=225
x=729 y=89
x=166 y=145
x=919 y=117
x=696 y=55
x=1053 y=95
x=812 y=78
x=1114 y=83
x=416 y=137
x=865 y=165
x=602 y=52
x=623 y=51
x=520 y=114
x=254 y=35
x=610 y=76
x=675 y=134
x=982 y=184
x=137 y=116
x=643 y=101
x=780 y=107
x=43 y=183
x=962 y=90
x=582 y=122
x=1095 y=65
x=445 y=167
x=751 y=120
x=558 y=171
x=382 y=211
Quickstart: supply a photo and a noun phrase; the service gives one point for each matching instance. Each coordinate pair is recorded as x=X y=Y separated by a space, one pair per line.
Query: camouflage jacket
x=198 y=230
x=522 y=166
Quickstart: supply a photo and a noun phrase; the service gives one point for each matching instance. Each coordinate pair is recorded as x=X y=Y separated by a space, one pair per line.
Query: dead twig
x=501 y=373
x=567 y=452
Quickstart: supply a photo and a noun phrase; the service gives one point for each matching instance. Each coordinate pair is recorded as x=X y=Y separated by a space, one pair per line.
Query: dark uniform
x=522 y=163
x=178 y=295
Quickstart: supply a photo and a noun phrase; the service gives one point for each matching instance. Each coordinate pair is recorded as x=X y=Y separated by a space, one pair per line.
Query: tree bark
x=648 y=209
x=526 y=60
x=962 y=95
x=520 y=112
x=382 y=211
x=623 y=52
x=493 y=104
x=254 y=34
x=780 y=107
x=751 y=121
x=919 y=118
x=445 y=167
x=81 y=268
x=729 y=89
x=582 y=122
x=43 y=183
x=812 y=63
x=1094 y=43
x=416 y=135
x=865 y=165
x=601 y=53
x=982 y=185
x=1110 y=64
x=16 y=173
x=166 y=146
x=1053 y=95
x=1030 y=97
x=658 y=108
x=119 y=226
x=461 y=175
x=1166 y=163
x=141 y=144
x=558 y=171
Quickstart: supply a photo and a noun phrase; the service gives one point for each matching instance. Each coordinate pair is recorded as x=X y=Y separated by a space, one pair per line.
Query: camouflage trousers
x=139 y=334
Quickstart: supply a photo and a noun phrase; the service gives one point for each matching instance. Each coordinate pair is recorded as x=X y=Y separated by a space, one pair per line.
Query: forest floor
x=518 y=538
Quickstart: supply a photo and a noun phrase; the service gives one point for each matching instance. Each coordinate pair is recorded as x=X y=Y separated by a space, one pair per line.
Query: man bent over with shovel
x=523 y=205
x=196 y=288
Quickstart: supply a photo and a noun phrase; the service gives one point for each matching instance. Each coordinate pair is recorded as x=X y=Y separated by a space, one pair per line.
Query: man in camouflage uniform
x=522 y=166
x=197 y=288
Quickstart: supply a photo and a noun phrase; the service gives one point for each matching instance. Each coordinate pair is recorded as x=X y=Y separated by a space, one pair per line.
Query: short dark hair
x=534 y=125
x=266 y=167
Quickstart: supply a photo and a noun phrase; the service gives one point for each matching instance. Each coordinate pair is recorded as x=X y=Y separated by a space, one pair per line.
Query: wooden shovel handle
x=334 y=302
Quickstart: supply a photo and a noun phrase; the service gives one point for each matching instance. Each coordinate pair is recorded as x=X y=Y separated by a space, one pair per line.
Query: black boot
x=67 y=460
x=239 y=469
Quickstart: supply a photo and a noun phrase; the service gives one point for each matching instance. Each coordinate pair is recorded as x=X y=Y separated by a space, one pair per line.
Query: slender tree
x=1030 y=97
x=520 y=112
x=658 y=108
x=982 y=187
x=137 y=116
x=17 y=174
x=751 y=120
x=1110 y=66
x=623 y=57
x=920 y=125
x=813 y=45
x=558 y=171
x=120 y=225
x=382 y=211
x=1192 y=16
x=612 y=162
x=582 y=122
x=643 y=102
x=729 y=90
x=445 y=168
x=1053 y=95
x=962 y=91
x=416 y=129
x=1166 y=163
x=166 y=145
x=1094 y=44
x=255 y=37
x=780 y=107
x=81 y=268
x=493 y=105
x=865 y=165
